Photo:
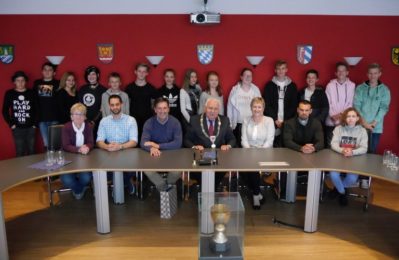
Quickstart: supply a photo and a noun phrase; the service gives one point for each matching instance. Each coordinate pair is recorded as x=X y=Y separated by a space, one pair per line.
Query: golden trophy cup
x=220 y=215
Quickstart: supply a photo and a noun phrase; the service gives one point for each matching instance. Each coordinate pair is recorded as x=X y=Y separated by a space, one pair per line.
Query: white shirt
x=308 y=94
x=259 y=135
x=243 y=99
x=281 y=94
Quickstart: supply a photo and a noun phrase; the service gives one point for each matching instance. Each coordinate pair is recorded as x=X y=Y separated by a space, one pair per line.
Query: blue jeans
x=348 y=181
x=24 y=140
x=76 y=181
x=373 y=142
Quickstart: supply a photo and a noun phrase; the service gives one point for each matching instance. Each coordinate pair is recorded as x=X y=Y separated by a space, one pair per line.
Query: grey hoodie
x=353 y=137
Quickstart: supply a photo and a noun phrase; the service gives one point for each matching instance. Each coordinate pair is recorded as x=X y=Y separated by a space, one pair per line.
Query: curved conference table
x=15 y=172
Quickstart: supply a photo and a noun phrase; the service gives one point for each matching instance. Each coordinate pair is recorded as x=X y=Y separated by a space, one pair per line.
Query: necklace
x=213 y=137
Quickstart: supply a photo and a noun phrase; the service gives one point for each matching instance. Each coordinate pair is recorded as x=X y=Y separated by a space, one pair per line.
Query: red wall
x=134 y=36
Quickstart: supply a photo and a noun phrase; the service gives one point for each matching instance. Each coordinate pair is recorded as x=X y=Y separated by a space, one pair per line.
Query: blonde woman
x=257 y=132
x=77 y=137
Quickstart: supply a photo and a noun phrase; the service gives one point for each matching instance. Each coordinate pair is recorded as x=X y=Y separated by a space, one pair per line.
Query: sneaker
x=78 y=196
x=364 y=184
x=131 y=188
x=257 y=200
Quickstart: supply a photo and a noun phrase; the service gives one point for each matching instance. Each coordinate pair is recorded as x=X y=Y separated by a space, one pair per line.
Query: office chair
x=356 y=191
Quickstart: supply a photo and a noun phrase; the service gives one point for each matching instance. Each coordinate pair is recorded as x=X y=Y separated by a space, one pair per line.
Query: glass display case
x=221 y=226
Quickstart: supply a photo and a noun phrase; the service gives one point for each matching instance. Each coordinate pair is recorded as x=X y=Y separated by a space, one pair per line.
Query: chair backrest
x=55 y=137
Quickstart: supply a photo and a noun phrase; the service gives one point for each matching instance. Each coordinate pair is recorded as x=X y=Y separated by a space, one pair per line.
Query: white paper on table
x=273 y=164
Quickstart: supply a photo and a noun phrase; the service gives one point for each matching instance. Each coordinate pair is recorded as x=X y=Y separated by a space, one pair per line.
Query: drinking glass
x=385 y=158
x=394 y=162
x=60 y=157
x=50 y=158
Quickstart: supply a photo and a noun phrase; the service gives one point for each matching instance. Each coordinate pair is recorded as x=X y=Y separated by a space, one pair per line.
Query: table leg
x=119 y=191
x=207 y=200
x=312 y=201
x=101 y=197
x=3 y=235
x=208 y=181
x=290 y=190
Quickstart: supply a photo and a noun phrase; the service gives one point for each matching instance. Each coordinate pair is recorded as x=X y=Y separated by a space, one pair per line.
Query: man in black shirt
x=90 y=95
x=45 y=90
x=141 y=95
x=19 y=111
x=303 y=133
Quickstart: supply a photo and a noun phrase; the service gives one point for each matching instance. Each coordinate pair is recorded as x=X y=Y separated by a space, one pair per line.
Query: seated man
x=303 y=134
x=117 y=132
x=161 y=132
x=207 y=126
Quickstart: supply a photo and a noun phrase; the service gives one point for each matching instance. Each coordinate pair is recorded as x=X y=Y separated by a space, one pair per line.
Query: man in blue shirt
x=117 y=131
x=161 y=132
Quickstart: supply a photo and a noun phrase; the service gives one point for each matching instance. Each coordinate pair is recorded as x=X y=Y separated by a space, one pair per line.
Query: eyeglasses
x=77 y=114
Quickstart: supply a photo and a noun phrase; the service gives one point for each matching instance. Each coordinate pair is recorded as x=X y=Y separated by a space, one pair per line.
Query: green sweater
x=372 y=103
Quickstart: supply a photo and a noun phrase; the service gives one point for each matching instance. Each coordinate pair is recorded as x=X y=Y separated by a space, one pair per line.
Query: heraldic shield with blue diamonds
x=6 y=53
x=205 y=53
x=304 y=53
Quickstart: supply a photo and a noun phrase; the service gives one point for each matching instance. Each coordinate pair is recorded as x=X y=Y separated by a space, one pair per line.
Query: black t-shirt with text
x=20 y=108
x=173 y=96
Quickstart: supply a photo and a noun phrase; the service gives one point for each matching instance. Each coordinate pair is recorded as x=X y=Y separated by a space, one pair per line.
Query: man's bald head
x=212 y=106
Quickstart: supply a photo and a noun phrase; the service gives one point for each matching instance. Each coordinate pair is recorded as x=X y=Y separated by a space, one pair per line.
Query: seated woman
x=349 y=138
x=77 y=137
x=257 y=132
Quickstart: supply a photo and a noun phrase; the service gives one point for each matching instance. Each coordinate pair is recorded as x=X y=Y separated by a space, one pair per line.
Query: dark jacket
x=270 y=95
x=319 y=103
x=195 y=136
x=69 y=137
x=296 y=135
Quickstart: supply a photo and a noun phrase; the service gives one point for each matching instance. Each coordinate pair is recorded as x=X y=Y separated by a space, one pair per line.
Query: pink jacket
x=340 y=97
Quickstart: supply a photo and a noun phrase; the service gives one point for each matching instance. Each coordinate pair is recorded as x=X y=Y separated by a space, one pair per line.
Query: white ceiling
x=313 y=7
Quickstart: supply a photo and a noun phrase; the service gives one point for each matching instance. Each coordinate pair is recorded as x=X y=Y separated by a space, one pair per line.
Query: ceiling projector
x=205 y=17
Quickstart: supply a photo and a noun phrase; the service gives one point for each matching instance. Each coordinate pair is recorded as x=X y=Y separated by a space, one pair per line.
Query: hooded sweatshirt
x=271 y=96
x=372 y=103
x=340 y=97
x=350 y=137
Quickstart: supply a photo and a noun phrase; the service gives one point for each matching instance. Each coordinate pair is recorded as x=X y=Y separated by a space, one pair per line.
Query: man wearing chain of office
x=210 y=130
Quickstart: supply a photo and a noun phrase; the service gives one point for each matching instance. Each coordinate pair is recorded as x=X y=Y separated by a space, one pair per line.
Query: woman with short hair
x=77 y=137
x=257 y=132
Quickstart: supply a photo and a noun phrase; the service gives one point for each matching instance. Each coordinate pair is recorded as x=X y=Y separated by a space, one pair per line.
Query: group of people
x=171 y=117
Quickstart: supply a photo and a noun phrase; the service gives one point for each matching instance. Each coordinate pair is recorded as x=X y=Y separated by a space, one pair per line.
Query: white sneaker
x=256 y=201
x=364 y=184
x=80 y=196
